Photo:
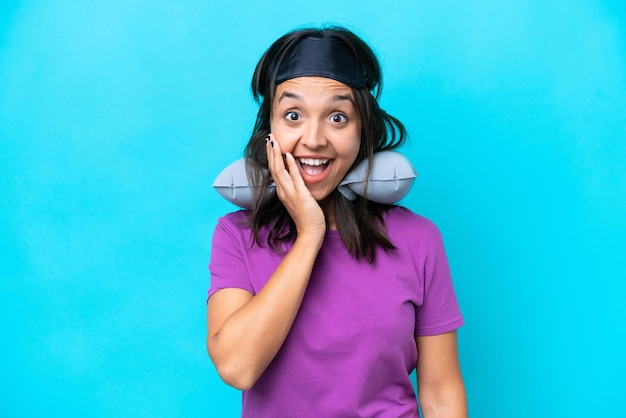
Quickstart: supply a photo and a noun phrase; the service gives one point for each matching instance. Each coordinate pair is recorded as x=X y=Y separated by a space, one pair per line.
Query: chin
x=323 y=198
x=321 y=194
x=320 y=198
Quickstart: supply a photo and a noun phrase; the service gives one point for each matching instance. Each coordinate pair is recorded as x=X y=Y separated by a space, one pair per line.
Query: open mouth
x=313 y=166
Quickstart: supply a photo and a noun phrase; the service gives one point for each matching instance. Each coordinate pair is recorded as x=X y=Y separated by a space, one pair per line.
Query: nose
x=314 y=135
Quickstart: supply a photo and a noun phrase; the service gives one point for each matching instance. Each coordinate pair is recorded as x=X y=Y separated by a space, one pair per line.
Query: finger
x=292 y=167
x=270 y=145
x=276 y=164
x=268 y=150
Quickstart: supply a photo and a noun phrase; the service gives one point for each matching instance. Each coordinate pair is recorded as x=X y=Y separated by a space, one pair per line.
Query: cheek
x=286 y=143
x=281 y=136
x=352 y=146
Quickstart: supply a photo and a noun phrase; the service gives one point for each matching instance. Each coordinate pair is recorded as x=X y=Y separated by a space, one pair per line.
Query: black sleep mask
x=323 y=57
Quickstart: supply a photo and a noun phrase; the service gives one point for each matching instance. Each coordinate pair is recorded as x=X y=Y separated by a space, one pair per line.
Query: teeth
x=313 y=161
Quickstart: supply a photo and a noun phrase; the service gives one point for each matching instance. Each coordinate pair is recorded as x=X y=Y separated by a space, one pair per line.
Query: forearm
x=248 y=340
x=444 y=400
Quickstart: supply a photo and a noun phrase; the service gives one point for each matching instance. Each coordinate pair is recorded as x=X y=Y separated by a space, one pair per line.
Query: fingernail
x=267 y=138
x=272 y=144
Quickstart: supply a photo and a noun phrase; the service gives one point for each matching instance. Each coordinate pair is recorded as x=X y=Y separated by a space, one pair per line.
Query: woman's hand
x=293 y=192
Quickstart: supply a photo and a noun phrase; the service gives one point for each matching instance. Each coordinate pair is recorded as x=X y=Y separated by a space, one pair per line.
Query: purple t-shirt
x=352 y=346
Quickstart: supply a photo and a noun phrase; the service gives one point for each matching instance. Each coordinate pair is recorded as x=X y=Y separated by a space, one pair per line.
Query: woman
x=319 y=305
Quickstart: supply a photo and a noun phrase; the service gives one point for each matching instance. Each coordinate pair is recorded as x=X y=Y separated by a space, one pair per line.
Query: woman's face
x=314 y=118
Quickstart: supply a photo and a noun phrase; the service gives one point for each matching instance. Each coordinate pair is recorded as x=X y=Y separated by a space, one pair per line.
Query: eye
x=338 y=118
x=292 y=116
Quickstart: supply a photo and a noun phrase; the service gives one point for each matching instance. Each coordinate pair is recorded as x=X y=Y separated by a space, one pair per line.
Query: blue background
x=115 y=117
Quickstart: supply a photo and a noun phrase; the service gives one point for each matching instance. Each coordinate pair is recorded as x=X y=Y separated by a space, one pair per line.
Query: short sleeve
x=227 y=264
x=439 y=312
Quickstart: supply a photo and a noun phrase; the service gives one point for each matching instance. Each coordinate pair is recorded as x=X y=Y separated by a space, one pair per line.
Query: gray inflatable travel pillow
x=390 y=179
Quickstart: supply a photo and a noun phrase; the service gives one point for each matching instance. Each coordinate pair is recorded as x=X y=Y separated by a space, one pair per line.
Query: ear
x=390 y=179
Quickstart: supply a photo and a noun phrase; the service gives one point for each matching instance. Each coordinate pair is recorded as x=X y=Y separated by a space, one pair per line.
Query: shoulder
x=412 y=232
x=233 y=224
x=236 y=219
x=402 y=220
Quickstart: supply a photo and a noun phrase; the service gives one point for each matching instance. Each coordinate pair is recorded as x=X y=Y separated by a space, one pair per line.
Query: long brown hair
x=359 y=222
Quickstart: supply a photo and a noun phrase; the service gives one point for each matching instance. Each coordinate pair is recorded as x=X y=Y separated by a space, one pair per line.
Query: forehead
x=312 y=88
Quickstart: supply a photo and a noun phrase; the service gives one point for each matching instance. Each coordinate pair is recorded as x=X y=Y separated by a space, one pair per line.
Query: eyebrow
x=335 y=98
x=287 y=94
x=341 y=97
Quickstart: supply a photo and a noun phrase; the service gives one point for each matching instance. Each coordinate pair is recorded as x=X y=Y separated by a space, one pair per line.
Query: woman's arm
x=440 y=385
x=244 y=332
